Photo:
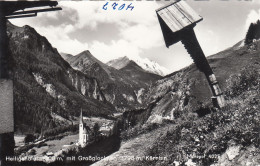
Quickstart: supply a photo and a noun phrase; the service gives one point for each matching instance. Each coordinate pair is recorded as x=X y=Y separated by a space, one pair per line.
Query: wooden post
x=3 y=44
x=8 y=10
x=177 y=21
x=6 y=95
x=192 y=46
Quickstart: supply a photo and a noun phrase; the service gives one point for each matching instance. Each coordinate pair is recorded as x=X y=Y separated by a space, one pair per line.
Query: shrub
x=32 y=152
x=41 y=145
x=29 y=138
x=249 y=79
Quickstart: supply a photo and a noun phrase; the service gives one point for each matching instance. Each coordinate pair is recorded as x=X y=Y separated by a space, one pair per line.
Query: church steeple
x=83 y=134
x=81 y=118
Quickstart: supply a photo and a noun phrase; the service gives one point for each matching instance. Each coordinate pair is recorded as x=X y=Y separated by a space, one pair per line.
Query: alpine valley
x=170 y=117
x=50 y=88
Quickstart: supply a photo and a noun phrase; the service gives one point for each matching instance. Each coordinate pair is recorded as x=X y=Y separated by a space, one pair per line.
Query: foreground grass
x=205 y=139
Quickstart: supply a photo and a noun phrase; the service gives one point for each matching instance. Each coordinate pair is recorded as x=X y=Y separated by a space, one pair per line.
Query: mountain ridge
x=44 y=82
x=122 y=87
x=65 y=55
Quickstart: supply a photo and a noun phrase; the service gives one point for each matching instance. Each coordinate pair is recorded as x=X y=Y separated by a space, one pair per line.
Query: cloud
x=209 y=40
x=91 y=13
x=256 y=1
x=67 y=16
x=142 y=36
x=60 y=40
x=73 y=29
x=110 y=34
x=114 y=50
x=252 y=17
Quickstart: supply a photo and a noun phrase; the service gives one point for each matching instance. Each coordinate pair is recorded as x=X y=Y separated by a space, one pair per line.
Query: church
x=84 y=132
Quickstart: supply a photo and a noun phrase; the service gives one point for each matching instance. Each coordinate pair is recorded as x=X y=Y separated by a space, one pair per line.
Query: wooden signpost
x=177 y=21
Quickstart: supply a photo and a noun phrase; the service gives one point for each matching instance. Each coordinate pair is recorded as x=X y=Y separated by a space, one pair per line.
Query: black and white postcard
x=130 y=83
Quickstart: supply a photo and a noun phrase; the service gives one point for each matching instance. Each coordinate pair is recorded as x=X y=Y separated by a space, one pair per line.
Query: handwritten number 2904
x=121 y=7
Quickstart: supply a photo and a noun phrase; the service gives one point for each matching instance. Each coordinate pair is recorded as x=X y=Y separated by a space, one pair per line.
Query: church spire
x=81 y=118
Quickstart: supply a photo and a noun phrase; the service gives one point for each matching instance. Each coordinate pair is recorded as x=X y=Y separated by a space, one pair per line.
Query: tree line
x=253 y=32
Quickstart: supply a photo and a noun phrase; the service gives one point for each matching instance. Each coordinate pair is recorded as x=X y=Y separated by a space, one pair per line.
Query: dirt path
x=133 y=150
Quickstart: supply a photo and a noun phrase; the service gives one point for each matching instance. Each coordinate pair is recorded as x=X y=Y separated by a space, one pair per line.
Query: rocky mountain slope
x=65 y=56
x=44 y=83
x=122 y=87
x=119 y=63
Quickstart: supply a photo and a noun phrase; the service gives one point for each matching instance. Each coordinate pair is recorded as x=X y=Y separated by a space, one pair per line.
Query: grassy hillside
x=214 y=135
x=190 y=87
x=199 y=133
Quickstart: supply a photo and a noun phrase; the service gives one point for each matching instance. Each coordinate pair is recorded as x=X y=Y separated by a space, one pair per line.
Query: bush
x=61 y=129
x=29 y=138
x=23 y=149
x=32 y=152
x=249 y=79
x=41 y=145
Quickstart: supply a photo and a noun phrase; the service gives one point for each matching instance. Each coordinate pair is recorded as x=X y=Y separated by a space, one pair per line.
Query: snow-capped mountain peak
x=144 y=63
x=151 y=66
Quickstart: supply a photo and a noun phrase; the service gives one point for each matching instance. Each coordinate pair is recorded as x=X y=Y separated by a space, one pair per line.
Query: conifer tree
x=250 y=34
x=253 y=32
x=257 y=29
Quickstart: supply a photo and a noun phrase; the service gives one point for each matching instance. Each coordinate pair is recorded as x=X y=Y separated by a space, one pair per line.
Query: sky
x=110 y=34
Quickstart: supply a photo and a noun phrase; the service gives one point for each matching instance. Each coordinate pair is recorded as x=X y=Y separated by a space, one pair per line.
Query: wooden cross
x=177 y=21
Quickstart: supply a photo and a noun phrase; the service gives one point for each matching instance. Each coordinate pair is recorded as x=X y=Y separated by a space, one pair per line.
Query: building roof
x=10 y=7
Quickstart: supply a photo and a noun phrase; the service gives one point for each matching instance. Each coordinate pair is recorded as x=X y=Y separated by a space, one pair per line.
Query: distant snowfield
x=144 y=63
x=151 y=66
